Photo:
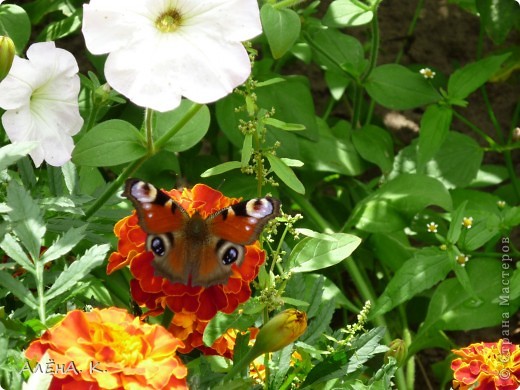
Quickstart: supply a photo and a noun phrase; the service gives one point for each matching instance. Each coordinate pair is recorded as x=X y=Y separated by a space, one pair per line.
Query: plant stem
x=148 y=127
x=40 y=290
x=476 y=129
x=132 y=167
x=411 y=29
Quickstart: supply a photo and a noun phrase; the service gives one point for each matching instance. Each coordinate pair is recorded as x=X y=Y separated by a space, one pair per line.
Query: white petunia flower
x=160 y=50
x=40 y=96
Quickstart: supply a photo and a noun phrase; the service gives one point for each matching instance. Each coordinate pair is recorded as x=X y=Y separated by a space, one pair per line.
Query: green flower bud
x=7 y=51
x=398 y=350
x=280 y=331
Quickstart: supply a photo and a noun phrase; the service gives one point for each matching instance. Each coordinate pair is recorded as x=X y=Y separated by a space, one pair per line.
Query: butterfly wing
x=230 y=229
x=163 y=220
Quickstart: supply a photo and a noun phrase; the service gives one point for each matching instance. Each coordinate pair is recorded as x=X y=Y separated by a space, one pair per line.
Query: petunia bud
x=280 y=331
x=7 y=51
x=398 y=350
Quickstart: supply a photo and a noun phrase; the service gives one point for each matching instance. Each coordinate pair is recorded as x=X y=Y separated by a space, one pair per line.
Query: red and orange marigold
x=156 y=292
x=487 y=366
x=126 y=353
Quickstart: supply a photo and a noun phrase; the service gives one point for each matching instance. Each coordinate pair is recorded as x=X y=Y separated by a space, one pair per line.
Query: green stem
x=286 y=3
x=309 y=210
x=178 y=126
x=114 y=187
x=148 y=126
x=476 y=129
x=374 y=46
x=492 y=116
x=130 y=169
x=411 y=29
x=358 y=102
x=40 y=290
x=251 y=355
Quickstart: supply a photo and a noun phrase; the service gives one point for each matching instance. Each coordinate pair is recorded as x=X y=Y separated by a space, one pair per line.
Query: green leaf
x=391 y=206
x=456 y=164
x=331 y=153
x=247 y=150
x=396 y=87
x=14 y=251
x=435 y=125
x=15 y=24
x=18 y=290
x=26 y=218
x=346 y=360
x=345 y=13
x=480 y=233
x=498 y=17
x=64 y=244
x=311 y=254
x=453 y=308
x=285 y=173
x=283 y=125
x=426 y=268
x=338 y=53
x=221 y=168
x=92 y=258
x=375 y=145
x=109 y=143
x=222 y=322
x=467 y=79
x=190 y=134
x=62 y=28
x=456 y=223
x=281 y=27
x=11 y=153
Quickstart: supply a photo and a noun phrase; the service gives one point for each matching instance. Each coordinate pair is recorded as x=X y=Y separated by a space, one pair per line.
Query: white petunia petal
x=42 y=102
x=115 y=24
x=155 y=64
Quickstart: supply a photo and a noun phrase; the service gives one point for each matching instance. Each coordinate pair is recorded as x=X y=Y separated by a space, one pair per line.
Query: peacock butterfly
x=196 y=250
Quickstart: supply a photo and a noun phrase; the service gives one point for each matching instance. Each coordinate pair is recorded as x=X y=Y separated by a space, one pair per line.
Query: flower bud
x=398 y=350
x=7 y=51
x=280 y=331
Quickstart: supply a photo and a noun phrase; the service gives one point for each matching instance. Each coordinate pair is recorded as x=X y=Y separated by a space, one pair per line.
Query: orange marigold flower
x=110 y=349
x=188 y=328
x=156 y=292
x=487 y=366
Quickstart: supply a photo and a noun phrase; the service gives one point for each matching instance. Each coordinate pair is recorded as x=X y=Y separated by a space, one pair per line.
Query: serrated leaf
x=10 y=154
x=92 y=258
x=109 y=143
x=345 y=361
x=320 y=323
x=14 y=251
x=18 y=290
x=26 y=218
x=426 y=268
x=64 y=244
x=281 y=27
x=221 y=168
x=311 y=254
x=285 y=173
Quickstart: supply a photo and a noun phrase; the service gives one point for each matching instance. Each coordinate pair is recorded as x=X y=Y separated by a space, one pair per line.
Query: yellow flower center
x=124 y=347
x=169 y=21
x=496 y=360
